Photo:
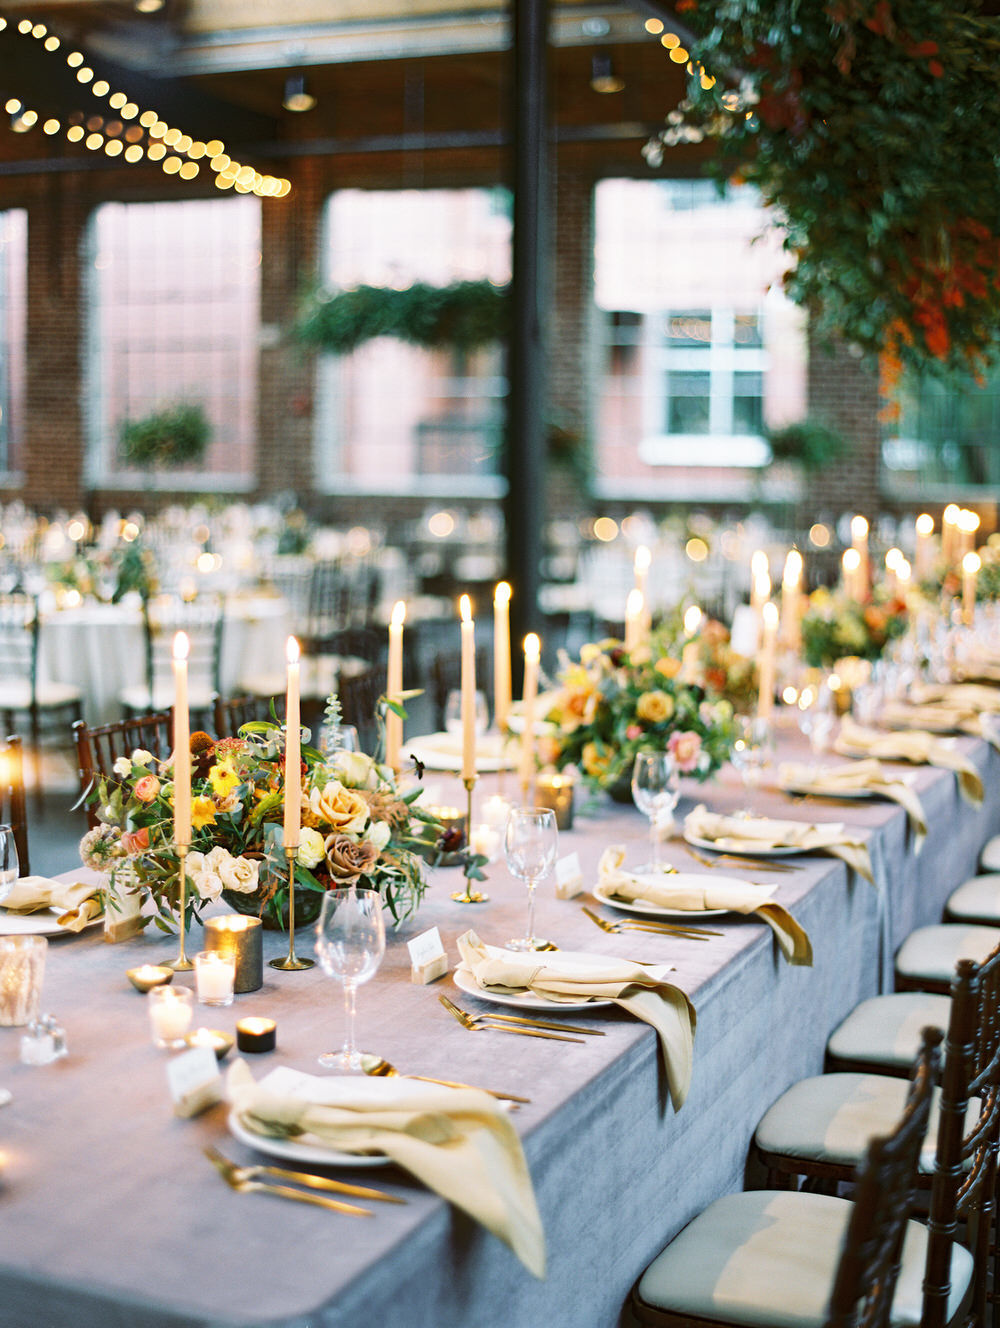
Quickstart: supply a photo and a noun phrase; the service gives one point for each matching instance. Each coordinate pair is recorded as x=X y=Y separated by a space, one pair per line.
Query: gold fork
x=655 y=928
x=241 y=1180
x=478 y=1024
x=306 y=1178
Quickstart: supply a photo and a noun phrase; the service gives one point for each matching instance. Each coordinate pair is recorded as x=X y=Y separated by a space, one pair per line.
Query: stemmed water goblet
x=350 y=943
x=655 y=790
x=9 y=864
x=816 y=717
x=530 y=842
x=752 y=751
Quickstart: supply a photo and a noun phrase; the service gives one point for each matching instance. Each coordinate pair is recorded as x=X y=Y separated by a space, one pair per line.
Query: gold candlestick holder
x=468 y=895
x=291 y=962
x=182 y=964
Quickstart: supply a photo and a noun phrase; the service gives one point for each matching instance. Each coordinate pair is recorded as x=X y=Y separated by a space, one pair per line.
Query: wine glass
x=530 y=842
x=337 y=738
x=752 y=751
x=9 y=865
x=350 y=943
x=453 y=714
x=656 y=790
x=816 y=717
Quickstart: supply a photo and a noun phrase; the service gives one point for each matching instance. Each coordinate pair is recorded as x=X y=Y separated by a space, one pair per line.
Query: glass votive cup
x=215 y=977
x=171 y=1010
x=556 y=793
x=22 y=968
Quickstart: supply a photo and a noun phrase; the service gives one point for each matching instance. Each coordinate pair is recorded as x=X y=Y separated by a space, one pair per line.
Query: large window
x=174 y=314
x=947 y=438
x=700 y=349
x=392 y=417
x=13 y=273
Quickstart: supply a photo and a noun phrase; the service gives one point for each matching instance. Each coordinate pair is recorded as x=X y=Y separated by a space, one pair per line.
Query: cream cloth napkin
x=966 y=695
x=633 y=988
x=79 y=900
x=941 y=718
x=739 y=834
x=457 y=1141
x=706 y=893
x=916 y=746
x=856 y=777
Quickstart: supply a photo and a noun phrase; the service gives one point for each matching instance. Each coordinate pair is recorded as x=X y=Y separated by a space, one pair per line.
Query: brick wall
x=843 y=394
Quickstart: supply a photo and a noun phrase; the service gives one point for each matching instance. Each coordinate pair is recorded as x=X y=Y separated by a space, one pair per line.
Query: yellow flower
x=342 y=808
x=668 y=667
x=202 y=812
x=223 y=779
x=654 y=707
x=593 y=762
x=589 y=652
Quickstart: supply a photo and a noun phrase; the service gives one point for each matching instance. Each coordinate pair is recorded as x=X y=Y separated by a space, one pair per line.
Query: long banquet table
x=110 y=1217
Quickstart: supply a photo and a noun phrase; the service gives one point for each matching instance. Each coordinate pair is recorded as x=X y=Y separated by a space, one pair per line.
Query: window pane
x=694 y=329
x=748 y=403
x=174 y=312
x=13 y=275
x=442 y=418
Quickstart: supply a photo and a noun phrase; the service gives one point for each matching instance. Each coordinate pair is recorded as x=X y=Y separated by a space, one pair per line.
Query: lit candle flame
x=292 y=651
x=398 y=613
x=182 y=646
x=502 y=593
x=532 y=647
x=465 y=608
x=924 y=524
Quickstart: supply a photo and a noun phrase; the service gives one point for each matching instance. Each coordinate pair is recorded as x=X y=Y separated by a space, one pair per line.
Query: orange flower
x=147 y=788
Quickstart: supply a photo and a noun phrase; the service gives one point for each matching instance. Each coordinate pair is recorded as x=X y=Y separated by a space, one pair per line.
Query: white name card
x=195 y=1081
x=428 y=960
x=569 y=877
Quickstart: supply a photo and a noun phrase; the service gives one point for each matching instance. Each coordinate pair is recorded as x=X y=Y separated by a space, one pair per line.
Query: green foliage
x=175 y=436
x=870 y=128
x=462 y=316
x=809 y=444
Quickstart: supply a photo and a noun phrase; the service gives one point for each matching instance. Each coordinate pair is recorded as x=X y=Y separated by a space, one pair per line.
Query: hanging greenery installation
x=463 y=316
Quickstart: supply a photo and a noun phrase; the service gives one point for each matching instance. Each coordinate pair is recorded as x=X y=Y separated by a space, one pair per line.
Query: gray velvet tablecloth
x=110 y=1217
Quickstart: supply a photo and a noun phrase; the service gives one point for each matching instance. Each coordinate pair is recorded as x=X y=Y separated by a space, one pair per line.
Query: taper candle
x=923 y=556
x=968 y=524
x=791 y=597
x=892 y=562
x=859 y=541
x=641 y=565
x=501 y=655
x=633 y=619
x=765 y=695
x=851 y=563
x=394 y=686
x=182 y=743
x=971 y=564
x=293 y=750
x=468 y=689
x=949 y=533
x=689 y=656
x=532 y=654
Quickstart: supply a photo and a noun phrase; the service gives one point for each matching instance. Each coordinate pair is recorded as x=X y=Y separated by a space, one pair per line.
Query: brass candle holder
x=291 y=962
x=182 y=964
x=468 y=895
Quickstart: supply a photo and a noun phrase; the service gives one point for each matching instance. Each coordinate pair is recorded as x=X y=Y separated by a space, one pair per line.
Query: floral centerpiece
x=612 y=704
x=358 y=827
x=836 y=626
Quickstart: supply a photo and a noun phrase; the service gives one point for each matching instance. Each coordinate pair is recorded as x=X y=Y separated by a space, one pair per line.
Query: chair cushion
x=15 y=694
x=832 y=1117
x=885 y=1030
x=136 y=699
x=932 y=952
x=769 y=1257
x=989 y=858
x=977 y=899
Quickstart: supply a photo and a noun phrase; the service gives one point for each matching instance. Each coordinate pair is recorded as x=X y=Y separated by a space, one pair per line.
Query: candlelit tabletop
x=112 y=1214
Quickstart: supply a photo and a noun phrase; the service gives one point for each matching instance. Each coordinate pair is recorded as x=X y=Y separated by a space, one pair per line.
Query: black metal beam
x=526 y=441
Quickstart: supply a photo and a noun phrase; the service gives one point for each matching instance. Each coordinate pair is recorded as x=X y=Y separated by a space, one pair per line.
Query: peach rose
x=685 y=748
x=342 y=808
x=654 y=707
x=135 y=841
x=348 y=860
x=147 y=788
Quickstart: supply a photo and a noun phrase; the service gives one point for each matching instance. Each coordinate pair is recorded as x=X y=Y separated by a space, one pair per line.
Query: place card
x=428 y=960
x=569 y=877
x=194 y=1080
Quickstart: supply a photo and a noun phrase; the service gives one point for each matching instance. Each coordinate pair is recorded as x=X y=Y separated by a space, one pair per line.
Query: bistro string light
x=150 y=139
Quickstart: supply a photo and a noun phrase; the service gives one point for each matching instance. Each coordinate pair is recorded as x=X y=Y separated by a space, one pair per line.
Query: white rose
x=356 y=769
x=312 y=848
x=240 y=874
x=122 y=767
x=195 y=863
x=208 y=885
x=141 y=757
x=379 y=834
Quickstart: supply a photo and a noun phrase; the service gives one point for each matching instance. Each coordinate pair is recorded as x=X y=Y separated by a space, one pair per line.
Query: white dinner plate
x=443 y=751
x=43 y=923
x=650 y=910
x=741 y=848
x=305 y=1148
x=847 y=795
x=529 y=1001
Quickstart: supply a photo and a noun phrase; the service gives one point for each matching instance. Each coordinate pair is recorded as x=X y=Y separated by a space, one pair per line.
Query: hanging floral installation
x=869 y=126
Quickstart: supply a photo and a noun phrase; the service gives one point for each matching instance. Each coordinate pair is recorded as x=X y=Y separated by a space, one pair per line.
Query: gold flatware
x=480 y=1024
x=520 y=1019
x=618 y=925
x=306 y=1178
x=237 y=1178
x=723 y=858
x=381 y=1069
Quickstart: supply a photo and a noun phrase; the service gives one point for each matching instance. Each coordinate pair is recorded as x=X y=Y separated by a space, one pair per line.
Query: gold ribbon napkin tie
x=79 y=901
x=916 y=746
x=635 y=989
x=458 y=1142
x=733 y=895
x=866 y=776
x=738 y=834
